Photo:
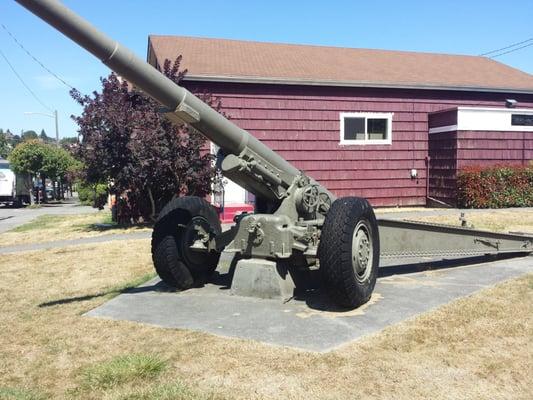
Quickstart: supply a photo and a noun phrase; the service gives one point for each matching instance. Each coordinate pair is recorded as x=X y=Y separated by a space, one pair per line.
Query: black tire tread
x=168 y=265
x=166 y=241
x=335 y=250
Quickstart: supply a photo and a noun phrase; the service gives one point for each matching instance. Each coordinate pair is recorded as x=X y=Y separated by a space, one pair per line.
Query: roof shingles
x=221 y=59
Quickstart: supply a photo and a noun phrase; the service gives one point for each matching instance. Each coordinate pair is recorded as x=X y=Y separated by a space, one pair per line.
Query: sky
x=453 y=27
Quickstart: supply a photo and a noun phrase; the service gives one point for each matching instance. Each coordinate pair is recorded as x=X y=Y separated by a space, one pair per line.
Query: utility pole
x=57 y=129
x=54 y=116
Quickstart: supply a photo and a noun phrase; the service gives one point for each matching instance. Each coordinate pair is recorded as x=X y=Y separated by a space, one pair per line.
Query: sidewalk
x=75 y=242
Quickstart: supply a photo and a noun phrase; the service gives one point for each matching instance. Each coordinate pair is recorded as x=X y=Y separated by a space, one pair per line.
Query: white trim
x=366 y=115
x=496 y=109
x=440 y=129
x=491 y=120
x=486 y=119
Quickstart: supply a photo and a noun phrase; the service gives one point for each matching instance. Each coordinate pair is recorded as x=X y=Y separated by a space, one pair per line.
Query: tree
x=29 y=135
x=13 y=140
x=27 y=157
x=4 y=145
x=36 y=158
x=127 y=142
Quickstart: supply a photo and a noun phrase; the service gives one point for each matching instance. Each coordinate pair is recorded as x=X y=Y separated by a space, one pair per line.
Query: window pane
x=354 y=129
x=377 y=128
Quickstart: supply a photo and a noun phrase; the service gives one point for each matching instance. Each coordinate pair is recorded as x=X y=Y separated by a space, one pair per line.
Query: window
x=366 y=128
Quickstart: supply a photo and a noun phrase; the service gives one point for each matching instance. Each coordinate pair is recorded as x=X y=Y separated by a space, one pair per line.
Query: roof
x=245 y=61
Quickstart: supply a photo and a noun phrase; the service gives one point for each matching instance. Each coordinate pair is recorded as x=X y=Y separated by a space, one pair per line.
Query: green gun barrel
x=180 y=104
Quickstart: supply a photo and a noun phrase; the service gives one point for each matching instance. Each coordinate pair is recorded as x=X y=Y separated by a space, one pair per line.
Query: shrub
x=495 y=187
x=92 y=195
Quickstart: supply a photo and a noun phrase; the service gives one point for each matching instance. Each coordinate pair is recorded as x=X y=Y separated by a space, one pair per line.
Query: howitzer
x=298 y=225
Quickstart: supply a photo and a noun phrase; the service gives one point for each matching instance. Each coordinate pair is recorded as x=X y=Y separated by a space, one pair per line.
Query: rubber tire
x=167 y=262
x=17 y=203
x=167 y=251
x=335 y=252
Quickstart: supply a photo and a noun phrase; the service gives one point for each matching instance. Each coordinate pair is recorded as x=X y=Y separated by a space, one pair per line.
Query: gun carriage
x=298 y=226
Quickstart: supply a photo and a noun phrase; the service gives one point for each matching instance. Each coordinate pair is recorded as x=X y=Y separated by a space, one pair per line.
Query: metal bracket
x=183 y=114
x=490 y=243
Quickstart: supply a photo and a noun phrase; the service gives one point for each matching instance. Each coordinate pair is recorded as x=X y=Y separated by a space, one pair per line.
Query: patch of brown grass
x=385 y=210
x=61 y=227
x=496 y=220
x=477 y=347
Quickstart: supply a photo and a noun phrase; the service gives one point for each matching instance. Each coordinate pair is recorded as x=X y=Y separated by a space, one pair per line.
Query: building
x=390 y=126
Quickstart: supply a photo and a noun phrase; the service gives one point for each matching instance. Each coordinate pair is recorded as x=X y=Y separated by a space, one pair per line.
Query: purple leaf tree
x=145 y=159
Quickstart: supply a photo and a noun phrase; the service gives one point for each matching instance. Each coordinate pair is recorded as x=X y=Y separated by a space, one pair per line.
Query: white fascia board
x=490 y=119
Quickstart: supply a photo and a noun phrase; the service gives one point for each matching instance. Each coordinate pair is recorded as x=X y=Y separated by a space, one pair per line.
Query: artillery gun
x=298 y=225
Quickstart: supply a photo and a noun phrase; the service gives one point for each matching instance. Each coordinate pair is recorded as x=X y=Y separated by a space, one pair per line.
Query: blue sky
x=457 y=27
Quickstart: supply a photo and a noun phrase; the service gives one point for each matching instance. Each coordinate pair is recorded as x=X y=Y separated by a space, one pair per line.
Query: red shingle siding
x=302 y=124
x=443 y=166
x=452 y=151
x=489 y=148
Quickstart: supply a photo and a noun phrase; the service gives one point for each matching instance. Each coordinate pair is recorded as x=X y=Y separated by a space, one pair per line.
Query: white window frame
x=366 y=115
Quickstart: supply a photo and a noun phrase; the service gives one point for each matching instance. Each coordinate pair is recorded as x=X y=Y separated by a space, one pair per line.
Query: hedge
x=495 y=187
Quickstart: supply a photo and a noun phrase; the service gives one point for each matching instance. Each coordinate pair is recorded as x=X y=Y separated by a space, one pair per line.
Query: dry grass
x=479 y=347
x=387 y=210
x=496 y=220
x=61 y=227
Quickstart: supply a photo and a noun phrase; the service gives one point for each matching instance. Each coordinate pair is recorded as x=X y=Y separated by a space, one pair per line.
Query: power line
x=24 y=83
x=508 y=47
x=35 y=59
x=510 y=51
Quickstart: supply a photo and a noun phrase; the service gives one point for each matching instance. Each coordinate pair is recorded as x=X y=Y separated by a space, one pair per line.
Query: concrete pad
x=311 y=321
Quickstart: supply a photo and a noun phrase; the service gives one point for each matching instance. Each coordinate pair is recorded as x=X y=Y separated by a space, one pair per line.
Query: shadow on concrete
x=223 y=279
x=315 y=297
x=308 y=289
x=409 y=268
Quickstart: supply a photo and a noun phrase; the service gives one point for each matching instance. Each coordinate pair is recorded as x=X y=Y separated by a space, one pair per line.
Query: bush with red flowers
x=495 y=187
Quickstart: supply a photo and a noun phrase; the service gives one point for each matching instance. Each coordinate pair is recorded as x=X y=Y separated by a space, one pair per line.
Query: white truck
x=14 y=188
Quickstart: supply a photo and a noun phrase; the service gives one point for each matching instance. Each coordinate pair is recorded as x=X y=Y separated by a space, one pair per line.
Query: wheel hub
x=361 y=251
x=197 y=230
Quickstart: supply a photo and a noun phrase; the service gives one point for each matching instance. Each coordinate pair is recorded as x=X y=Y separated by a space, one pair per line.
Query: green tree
x=27 y=157
x=43 y=160
x=44 y=137
x=4 y=145
x=13 y=140
x=56 y=162
x=29 y=135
